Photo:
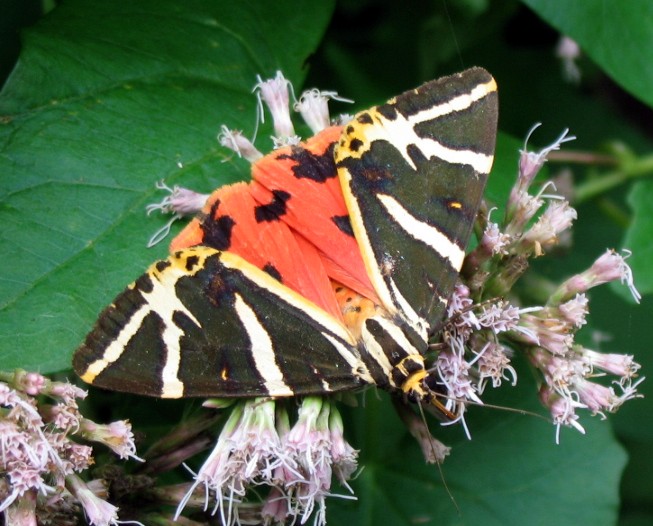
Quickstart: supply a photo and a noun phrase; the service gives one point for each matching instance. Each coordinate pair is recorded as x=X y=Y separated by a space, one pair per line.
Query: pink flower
x=575 y=310
x=530 y=163
x=274 y=93
x=563 y=410
x=39 y=455
x=22 y=512
x=556 y=218
x=597 y=398
x=180 y=203
x=236 y=141
x=32 y=383
x=257 y=448
x=559 y=372
x=454 y=376
x=540 y=330
x=309 y=444
x=499 y=317
x=609 y=267
x=494 y=241
x=117 y=436
x=98 y=511
x=521 y=206
x=276 y=507
x=493 y=363
x=344 y=457
x=313 y=106
x=621 y=365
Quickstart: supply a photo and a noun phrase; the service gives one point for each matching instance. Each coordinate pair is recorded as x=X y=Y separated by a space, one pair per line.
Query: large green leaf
x=107 y=99
x=617 y=35
x=511 y=472
x=639 y=236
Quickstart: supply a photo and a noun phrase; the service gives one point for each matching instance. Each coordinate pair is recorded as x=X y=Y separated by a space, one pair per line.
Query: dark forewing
x=413 y=173
x=207 y=323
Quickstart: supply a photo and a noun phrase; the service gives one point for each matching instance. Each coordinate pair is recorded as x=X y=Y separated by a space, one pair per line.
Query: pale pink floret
x=274 y=93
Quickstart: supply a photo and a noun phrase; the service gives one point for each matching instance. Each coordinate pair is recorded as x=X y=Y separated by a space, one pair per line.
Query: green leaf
x=107 y=99
x=510 y=472
x=504 y=174
x=639 y=236
x=616 y=35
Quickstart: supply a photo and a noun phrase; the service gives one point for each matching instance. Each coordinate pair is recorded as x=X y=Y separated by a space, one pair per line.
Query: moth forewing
x=413 y=172
x=222 y=327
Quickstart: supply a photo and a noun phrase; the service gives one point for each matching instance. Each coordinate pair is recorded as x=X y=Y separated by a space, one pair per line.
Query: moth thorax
x=422 y=386
x=410 y=373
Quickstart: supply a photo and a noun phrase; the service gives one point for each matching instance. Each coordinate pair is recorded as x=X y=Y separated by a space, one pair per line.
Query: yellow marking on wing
x=267 y=282
x=356 y=219
x=164 y=275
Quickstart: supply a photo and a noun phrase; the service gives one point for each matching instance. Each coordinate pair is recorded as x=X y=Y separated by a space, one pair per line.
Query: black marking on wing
x=162 y=265
x=312 y=166
x=460 y=129
x=144 y=284
x=365 y=118
x=191 y=262
x=344 y=224
x=388 y=111
x=415 y=154
x=272 y=270
x=217 y=232
x=355 y=145
x=274 y=210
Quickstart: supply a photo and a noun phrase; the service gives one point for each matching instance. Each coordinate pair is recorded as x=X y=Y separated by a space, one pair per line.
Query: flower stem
x=591 y=188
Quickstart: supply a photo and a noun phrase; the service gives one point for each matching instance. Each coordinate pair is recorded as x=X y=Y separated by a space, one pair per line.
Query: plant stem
x=591 y=188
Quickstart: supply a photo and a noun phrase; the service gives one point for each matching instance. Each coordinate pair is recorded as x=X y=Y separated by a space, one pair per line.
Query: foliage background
x=108 y=97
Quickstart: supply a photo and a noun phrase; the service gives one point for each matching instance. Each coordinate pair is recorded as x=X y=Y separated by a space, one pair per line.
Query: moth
x=329 y=271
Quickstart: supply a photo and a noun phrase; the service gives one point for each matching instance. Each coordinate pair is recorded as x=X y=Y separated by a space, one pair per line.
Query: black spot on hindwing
x=344 y=224
x=272 y=271
x=309 y=165
x=217 y=231
x=274 y=209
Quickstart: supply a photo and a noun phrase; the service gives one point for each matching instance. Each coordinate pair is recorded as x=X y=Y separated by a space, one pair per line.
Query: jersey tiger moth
x=329 y=271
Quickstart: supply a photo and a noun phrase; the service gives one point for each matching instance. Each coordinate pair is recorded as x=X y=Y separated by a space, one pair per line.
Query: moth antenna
x=524 y=412
x=434 y=452
x=437 y=459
